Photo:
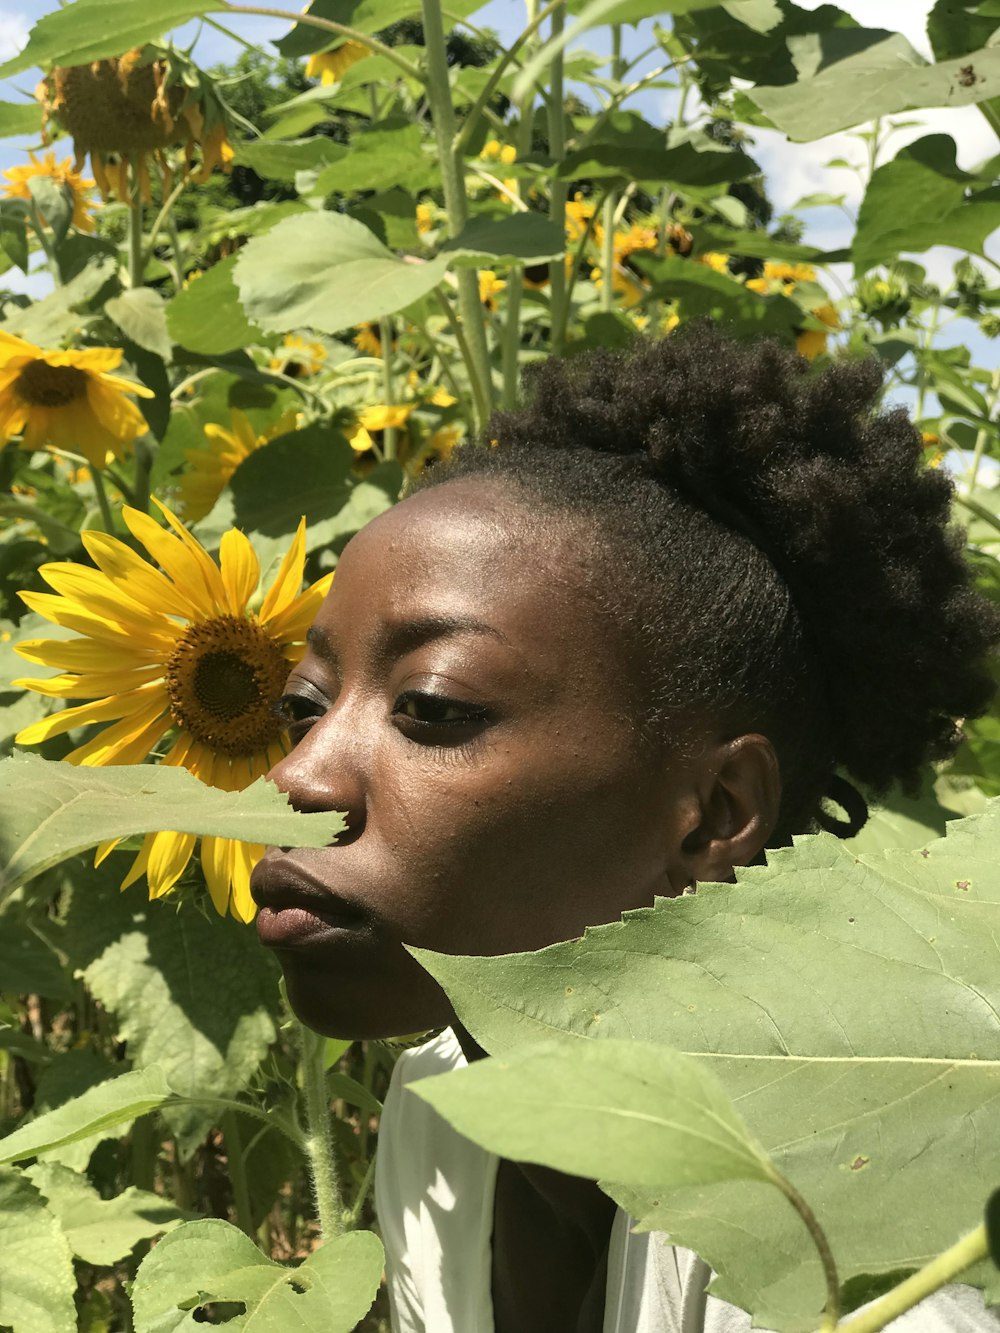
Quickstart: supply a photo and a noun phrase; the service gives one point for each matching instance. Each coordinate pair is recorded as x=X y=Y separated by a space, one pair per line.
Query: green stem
x=102 y=502
x=354 y=1216
x=535 y=20
x=319 y=1143
x=237 y=1172
x=932 y=1277
x=388 y=387
x=922 y=376
x=608 y=252
x=136 y=262
x=832 y=1313
x=982 y=435
x=482 y=406
x=270 y=1119
x=338 y=30
x=167 y=212
x=143 y=468
x=557 y=188
x=456 y=204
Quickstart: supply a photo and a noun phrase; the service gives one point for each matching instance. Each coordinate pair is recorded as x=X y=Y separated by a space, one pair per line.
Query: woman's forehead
x=474 y=550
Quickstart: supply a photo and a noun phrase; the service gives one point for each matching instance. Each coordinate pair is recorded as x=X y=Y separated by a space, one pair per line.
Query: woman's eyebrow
x=406 y=635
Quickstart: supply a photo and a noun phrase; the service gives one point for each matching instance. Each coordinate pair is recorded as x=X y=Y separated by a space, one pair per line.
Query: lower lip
x=299 y=928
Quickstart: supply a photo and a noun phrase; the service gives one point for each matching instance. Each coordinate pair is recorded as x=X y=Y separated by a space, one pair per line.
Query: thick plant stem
x=832 y=1312
x=482 y=404
x=456 y=204
x=237 y=1173
x=611 y=202
x=136 y=259
x=983 y=433
x=388 y=387
x=511 y=344
x=557 y=188
x=102 y=502
x=927 y=1280
x=319 y=1143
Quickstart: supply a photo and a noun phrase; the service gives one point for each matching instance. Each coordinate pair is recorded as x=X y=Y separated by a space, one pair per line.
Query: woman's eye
x=297 y=713
x=428 y=711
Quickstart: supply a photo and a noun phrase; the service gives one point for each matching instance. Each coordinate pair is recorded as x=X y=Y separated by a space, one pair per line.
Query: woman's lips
x=296 y=910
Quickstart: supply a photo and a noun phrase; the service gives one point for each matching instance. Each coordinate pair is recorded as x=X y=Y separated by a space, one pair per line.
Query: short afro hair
x=777 y=542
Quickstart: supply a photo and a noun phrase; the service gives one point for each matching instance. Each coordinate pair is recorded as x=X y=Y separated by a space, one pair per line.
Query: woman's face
x=466 y=704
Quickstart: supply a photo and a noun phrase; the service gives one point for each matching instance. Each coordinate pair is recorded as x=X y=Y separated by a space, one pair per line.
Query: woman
x=625 y=649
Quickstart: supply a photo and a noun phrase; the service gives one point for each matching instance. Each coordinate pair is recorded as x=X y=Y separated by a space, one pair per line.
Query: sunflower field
x=245 y=300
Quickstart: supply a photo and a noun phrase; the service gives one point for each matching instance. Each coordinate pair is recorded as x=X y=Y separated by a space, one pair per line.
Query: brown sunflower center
x=42 y=385
x=223 y=679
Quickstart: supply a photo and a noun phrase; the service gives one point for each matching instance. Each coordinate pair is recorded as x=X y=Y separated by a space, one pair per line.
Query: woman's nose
x=324 y=772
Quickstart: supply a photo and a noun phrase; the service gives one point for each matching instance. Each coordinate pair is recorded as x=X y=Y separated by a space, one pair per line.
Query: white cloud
x=13 y=34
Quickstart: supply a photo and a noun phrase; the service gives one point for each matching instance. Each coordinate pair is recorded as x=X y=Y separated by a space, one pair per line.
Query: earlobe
x=740 y=791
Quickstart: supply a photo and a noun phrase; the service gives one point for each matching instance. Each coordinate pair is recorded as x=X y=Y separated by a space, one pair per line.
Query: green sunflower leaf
x=96 y=29
x=36 y=1264
x=102 y=1231
x=53 y=810
x=847 y=1002
x=211 y=1261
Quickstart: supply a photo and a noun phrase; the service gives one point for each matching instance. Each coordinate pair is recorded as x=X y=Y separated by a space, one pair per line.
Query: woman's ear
x=738 y=787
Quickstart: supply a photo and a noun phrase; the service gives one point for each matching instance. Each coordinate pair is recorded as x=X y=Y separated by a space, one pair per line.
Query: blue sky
x=792 y=170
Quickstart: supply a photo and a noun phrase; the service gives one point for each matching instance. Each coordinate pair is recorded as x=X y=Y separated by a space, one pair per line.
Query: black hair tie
x=850 y=800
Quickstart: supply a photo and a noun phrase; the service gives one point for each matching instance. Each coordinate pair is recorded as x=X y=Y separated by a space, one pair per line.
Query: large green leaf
x=883 y=79
x=393 y=151
x=36 y=1266
x=849 y=1007
x=306 y=472
x=53 y=810
x=192 y=995
x=207 y=316
x=102 y=1108
x=282 y=161
x=95 y=29
x=628 y=147
x=20 y=118
x=58 y=317
x=102 y=1231
x=29 y=964
x=363 y=15
x=521 y=237
x=700 y=291
x=141 y=315
x=328 y=272
x=630 y=1111
x=213 y=1261
x=919 y=199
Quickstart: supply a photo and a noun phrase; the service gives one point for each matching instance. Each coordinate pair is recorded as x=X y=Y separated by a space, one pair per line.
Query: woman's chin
x=347 y=1015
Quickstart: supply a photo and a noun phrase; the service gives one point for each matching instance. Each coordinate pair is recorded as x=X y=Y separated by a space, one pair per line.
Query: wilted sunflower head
x=135 y=107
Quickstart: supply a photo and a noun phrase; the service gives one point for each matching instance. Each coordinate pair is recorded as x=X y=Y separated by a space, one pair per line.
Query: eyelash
x=298 y=712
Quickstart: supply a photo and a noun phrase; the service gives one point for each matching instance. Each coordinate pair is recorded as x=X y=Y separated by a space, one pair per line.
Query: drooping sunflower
x=135 y=107
x=68 y=400
x=173 y=653
x=210 y=468
x=63 y=175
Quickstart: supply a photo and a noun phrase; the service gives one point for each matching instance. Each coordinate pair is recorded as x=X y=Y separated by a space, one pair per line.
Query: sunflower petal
x=138 y=867
x=215 y=865
x=87 y=654
x=91 y=685
x=90 y=588
x=78 y=618
x=126 y=742
x=168 y=860
x=240 y=569
x=288 y=580
x=140 y=580
x=177 y=562
x=290 y=624
x=245 y=857
x=101 y=710
x=210 y=570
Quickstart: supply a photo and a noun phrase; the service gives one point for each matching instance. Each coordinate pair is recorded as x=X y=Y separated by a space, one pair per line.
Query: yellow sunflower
x=173 y=652
x=297 y=357
x=331 y=66
x=811 y=343
x=489 y=286
x=63 y=175
x=211 y=468
x=382 y=416
x=367 y=340
x=137 y=106
x=68 y=400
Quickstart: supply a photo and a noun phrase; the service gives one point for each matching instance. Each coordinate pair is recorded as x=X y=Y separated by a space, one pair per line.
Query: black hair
x=786 y=556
